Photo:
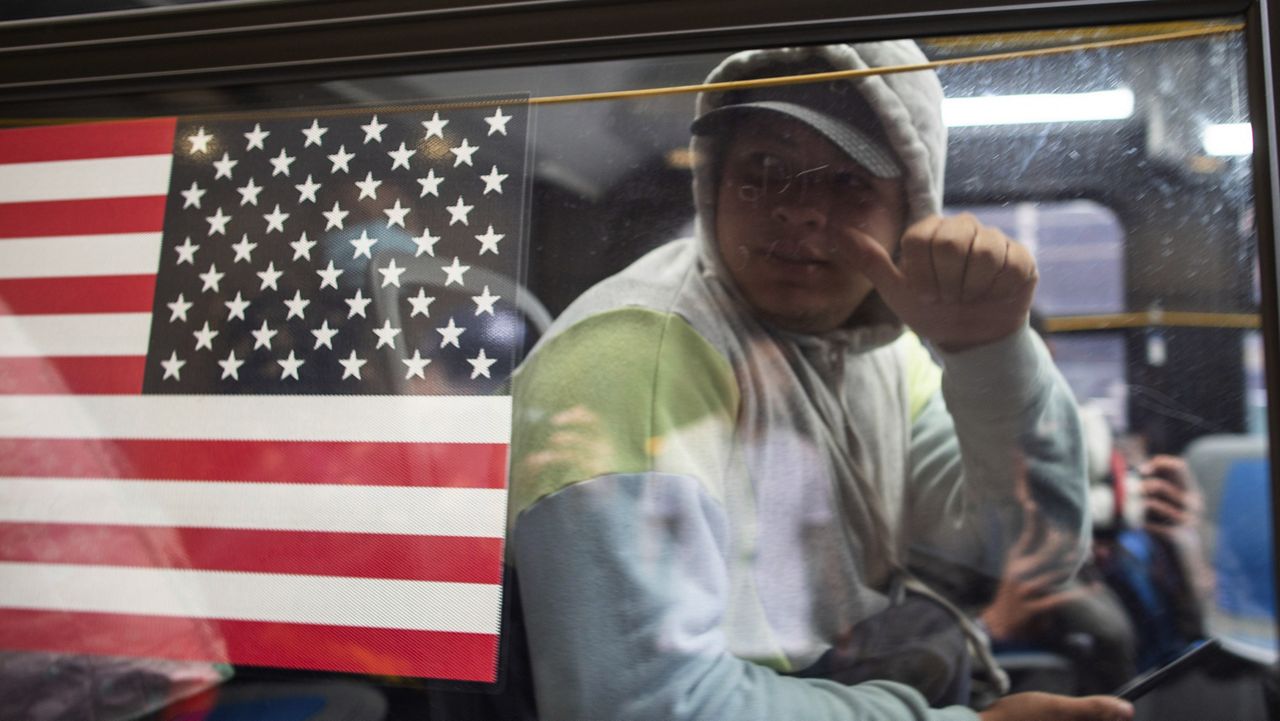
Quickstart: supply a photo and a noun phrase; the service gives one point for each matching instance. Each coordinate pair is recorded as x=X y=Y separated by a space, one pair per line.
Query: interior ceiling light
x=1228 y=139
x=1043 y=108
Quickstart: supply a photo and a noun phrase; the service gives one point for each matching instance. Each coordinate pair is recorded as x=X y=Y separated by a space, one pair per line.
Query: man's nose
x=808 y=207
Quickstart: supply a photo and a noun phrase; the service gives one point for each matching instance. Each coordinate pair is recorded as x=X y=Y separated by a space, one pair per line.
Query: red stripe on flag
x=88 y=140
x=77 y=294
x=139 y=214
x=355 y=555
x=105 y=375
x=449 y=465
x=384 y=652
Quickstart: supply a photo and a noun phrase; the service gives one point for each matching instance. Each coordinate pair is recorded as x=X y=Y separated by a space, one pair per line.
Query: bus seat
x=1234 y=474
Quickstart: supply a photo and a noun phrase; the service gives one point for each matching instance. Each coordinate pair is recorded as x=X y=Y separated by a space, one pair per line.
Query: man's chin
x=795 y=320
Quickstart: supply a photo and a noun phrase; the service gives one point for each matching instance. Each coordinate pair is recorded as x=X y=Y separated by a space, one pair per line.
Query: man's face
x=786 y=195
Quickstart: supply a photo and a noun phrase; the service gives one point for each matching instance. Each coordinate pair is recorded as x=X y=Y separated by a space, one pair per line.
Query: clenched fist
x=957 y=282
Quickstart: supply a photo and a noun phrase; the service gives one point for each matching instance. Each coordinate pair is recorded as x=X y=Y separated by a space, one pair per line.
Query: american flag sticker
x=253 y=401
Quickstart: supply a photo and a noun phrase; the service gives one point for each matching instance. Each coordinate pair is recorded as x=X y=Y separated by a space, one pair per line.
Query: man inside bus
x=741 y=486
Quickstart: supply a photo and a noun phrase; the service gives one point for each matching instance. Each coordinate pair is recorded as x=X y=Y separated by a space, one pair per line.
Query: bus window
x=535 y=391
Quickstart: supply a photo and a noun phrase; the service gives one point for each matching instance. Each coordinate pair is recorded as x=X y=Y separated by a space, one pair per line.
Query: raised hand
x=958 y=283
x=1037 y=570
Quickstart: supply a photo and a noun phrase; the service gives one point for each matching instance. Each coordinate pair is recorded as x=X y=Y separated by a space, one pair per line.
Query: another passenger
x=740 y=482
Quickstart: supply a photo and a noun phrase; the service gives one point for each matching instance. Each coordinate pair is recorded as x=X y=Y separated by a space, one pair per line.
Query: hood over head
x=891 y=124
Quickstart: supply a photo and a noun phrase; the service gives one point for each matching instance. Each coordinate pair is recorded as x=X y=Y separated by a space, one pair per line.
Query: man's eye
x=849 y=180
x=768 y=168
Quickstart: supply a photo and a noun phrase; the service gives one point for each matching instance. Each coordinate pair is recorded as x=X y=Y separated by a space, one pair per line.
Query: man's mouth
x=792 y=254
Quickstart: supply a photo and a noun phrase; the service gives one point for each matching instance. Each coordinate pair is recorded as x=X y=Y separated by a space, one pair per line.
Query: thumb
x=875 y=263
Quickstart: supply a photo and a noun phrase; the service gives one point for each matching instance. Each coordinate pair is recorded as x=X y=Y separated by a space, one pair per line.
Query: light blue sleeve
x=1004 y=427
x=624 y=590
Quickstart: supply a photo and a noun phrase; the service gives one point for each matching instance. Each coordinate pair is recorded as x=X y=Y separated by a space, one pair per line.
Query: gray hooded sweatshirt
x=705 y=508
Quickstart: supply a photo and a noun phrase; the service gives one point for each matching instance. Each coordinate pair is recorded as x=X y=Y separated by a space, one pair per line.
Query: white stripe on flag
x=81 y=179
x=81 y=334
x=338 y=508
x=411 y=419
x=282 y=598
x=78 y=255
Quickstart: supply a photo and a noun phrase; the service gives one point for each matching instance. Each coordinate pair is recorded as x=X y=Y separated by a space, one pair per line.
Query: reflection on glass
x=780 y=426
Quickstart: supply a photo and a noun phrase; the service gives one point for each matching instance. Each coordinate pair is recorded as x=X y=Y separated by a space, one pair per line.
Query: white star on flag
x=480 y=365
x=357 y=303
x=244 y=249
x=224 y=166
x=426 y=243
x=462 y=153
x=435 y=126
x=314 y=134
x=307 y=190
x=454 y=272
x=324 y=335
x=400 y=157
x=497 y=122
x=368 y=187
x=192 y=196
x=297 y=305
x=186 y=252
x=421 y=304
x=218 y=222
x=340 y=160
x=391 y=274
x=236 y=307
x=180 y=307
x=262 y=336
x=249 y=193
x=329 y=276
x=204 y=337
x=450 y=334
x=395 y=216
x=493 y=181
x=430 y=184
x=255 y=137
x=231 y=366
x=302 y=247
x=269 y=277
x=280 y=164
x=351 y=366
x=489 y=241
x=199 y=142
x=416 y=365
x=485 y=301
x=334 y=217
x=172 y=367
x=289 y=367
x=363 y=245
x=211 y=278
x=458 y=212
x=275 y=219
x=386 y=335
x=373 y=131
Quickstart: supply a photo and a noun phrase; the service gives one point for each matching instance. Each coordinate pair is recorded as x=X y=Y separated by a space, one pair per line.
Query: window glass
x=484 y=394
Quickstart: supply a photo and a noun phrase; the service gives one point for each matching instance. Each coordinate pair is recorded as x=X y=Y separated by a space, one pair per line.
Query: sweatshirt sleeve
x=622 y=552
x=1003 y=428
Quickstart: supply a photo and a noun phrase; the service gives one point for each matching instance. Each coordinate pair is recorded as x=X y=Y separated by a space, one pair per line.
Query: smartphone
x=1141 y=684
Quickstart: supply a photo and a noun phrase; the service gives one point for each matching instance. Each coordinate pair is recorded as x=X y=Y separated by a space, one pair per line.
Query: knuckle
x=915 y=245
x=986 y=255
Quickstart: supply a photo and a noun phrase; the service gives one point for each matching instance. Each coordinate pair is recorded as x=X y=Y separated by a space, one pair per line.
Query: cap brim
x=859 y=146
